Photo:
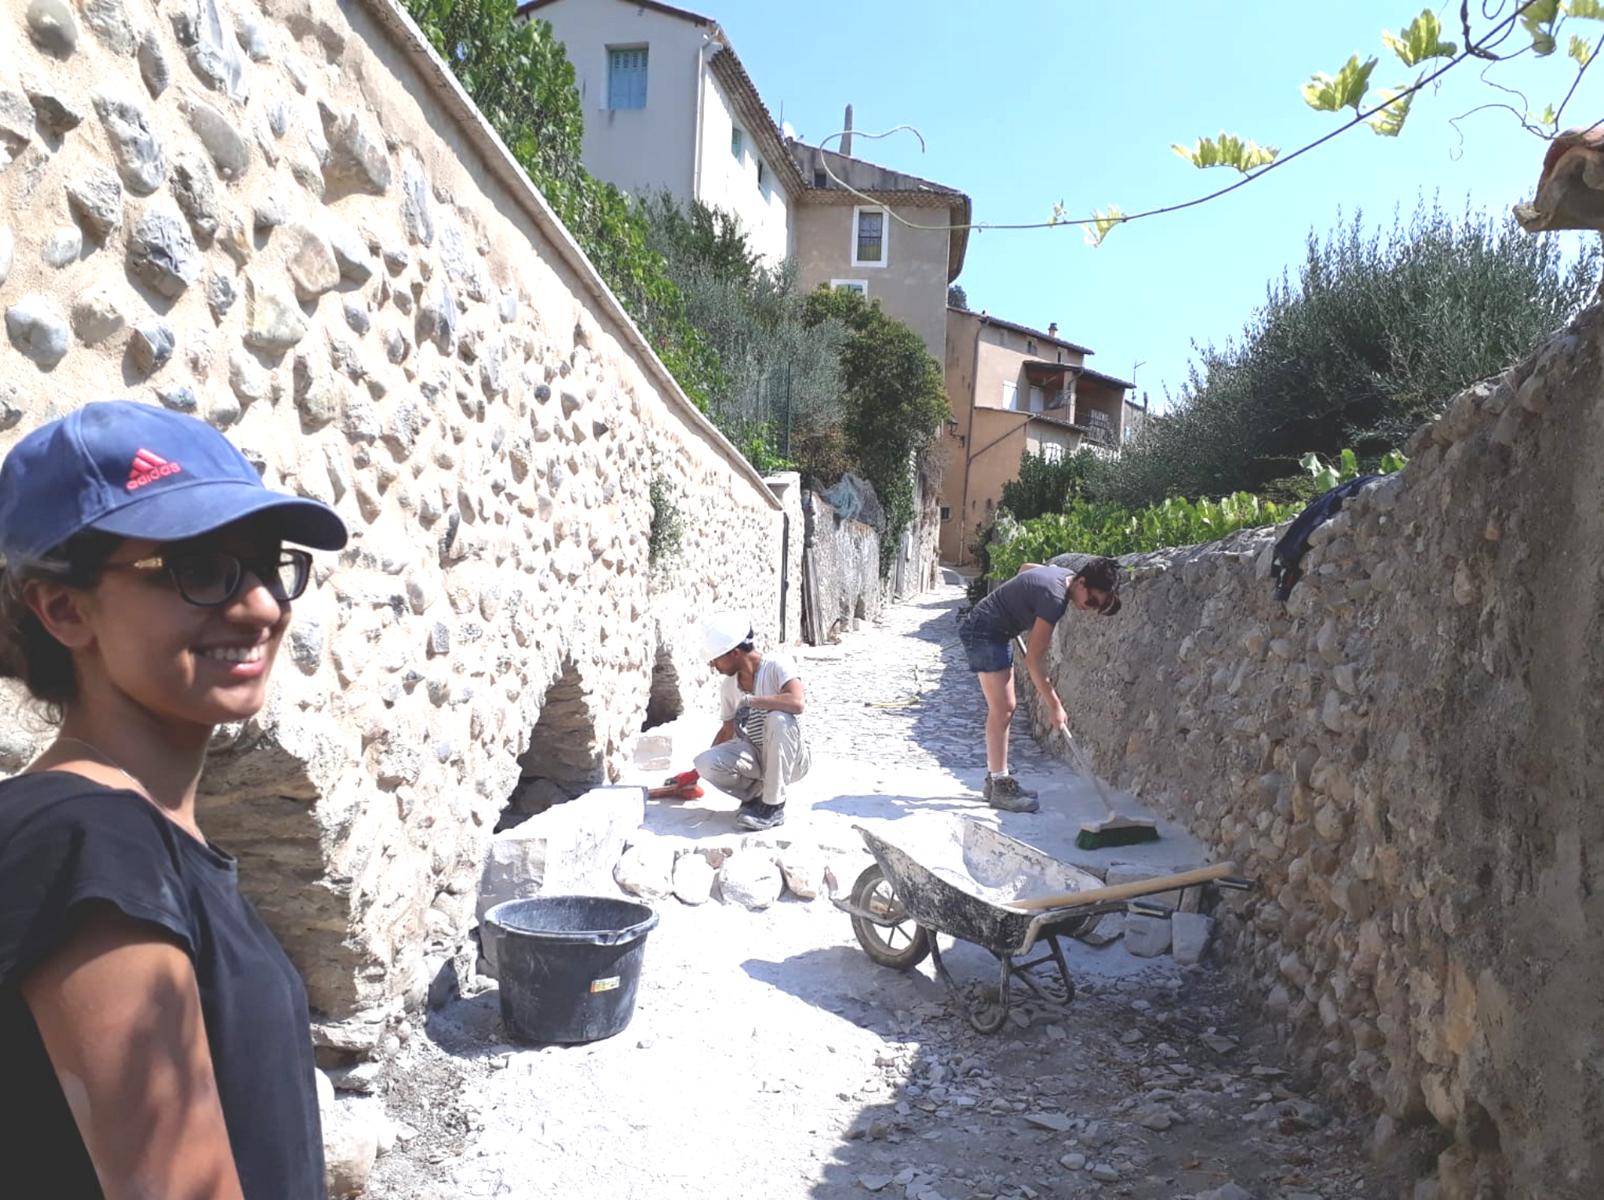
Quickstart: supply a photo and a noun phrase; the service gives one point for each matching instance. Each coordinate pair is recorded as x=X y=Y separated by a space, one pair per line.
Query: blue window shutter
x=626 y=78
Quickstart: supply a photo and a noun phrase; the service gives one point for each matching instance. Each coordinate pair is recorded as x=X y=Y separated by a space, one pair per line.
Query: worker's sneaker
x=1004 y=792
x=756 y=815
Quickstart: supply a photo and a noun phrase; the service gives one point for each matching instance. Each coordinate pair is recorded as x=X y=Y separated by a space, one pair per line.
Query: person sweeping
x=1029 y=605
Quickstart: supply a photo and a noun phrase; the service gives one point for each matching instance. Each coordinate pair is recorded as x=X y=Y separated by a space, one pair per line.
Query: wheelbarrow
x=999 y=893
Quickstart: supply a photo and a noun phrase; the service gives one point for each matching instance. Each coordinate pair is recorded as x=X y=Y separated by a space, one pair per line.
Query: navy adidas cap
x=140 y=472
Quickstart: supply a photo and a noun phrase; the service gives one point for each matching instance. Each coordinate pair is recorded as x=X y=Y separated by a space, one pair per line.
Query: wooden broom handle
x=1124 y=891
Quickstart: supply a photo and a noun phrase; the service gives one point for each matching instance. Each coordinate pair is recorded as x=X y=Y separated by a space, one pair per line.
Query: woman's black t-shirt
x=65 y=842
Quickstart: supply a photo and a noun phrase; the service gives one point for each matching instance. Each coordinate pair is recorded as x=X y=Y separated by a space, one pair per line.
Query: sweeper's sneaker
x=756 y=815
x=1003 y=792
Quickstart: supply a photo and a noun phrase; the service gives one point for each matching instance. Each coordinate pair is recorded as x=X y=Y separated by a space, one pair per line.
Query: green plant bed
x=1106 y=527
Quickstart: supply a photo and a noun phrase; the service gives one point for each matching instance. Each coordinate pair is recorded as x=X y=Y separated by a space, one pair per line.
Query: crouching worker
x=760 y=748
x=1030 y=604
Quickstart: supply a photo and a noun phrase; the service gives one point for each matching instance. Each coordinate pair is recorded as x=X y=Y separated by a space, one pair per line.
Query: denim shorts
x=986 y=649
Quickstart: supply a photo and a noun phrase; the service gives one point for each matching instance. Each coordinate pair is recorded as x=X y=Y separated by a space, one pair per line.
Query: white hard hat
x=722 y=632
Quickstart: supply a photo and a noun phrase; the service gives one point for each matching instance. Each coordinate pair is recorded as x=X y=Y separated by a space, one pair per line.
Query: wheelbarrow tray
x=963 y=897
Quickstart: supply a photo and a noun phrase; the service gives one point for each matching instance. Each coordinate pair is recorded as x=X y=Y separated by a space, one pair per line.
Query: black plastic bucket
x=568 y=965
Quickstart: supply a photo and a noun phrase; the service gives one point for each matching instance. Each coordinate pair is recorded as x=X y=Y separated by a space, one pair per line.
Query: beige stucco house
x=668 y=106
x=897 y=238
x=1014 y=390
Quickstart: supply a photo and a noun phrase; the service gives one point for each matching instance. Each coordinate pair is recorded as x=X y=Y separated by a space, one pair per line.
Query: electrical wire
x=1492 y=38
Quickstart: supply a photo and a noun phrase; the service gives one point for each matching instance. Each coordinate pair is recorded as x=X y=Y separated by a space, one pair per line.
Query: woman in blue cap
x=154 y=1037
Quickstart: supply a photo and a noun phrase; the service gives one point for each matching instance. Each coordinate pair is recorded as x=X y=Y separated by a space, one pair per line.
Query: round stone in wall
x=52 y=27
x=179 y=399
x=230 y=152
x=153 y=68
x=38 y=328
x=63 y=246
x=97 y=316
x=273 y=321
x=195 y=192
x=53 y=107
x=111 y=22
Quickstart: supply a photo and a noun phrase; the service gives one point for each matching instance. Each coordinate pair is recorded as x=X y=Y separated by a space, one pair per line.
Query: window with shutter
x=626 y=78
x=737 y=140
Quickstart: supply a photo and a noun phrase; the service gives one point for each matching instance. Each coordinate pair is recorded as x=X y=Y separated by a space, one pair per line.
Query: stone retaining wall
x=1407 y=757
x=288 y=219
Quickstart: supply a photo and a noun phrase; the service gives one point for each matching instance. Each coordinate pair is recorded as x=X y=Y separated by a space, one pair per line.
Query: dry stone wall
x=286 y=219
x=1407 y=756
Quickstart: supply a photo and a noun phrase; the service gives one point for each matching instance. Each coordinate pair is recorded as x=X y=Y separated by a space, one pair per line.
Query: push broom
x=1115 y=829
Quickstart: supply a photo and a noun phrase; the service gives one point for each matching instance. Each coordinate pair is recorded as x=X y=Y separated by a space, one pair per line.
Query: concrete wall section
x=318 y=247
x=787 y=486
x=1408 y=757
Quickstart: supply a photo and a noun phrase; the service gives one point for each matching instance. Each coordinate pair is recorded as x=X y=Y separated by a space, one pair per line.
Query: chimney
x=1052 y=330
x=846 y=136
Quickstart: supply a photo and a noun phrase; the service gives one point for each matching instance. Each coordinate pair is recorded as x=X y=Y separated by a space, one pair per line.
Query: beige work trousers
x=749 y=773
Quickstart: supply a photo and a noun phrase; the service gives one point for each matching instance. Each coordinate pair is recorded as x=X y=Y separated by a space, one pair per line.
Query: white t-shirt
x=772 y=674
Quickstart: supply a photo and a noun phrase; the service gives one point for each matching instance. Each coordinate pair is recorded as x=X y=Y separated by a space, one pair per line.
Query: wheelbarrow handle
x=1125 y=891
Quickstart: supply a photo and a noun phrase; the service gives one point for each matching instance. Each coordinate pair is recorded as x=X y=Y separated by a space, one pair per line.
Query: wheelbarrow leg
x=1063 y=969
x=1056 y=956
x=1005 y=973
x=971 y=1011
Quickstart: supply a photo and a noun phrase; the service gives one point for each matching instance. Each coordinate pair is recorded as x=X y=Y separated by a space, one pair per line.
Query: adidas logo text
x=148 y=468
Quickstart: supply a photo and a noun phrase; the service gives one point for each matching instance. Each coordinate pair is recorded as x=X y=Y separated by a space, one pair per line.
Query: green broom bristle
x=1128 y=835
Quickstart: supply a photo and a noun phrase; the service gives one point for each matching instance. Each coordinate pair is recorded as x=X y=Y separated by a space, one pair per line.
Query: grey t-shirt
x=1011 y=609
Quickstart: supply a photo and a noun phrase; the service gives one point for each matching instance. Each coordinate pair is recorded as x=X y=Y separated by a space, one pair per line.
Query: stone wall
x=287 y=219
x=1407 y=757
x=841 y=572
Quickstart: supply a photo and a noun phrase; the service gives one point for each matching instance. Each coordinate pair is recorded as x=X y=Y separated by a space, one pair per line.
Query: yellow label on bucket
x=604 y=985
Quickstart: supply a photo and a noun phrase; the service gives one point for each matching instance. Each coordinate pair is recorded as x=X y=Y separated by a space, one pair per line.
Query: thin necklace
x=111 y=762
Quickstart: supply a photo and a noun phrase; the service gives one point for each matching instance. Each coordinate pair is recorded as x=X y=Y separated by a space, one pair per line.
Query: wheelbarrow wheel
x=898 y=942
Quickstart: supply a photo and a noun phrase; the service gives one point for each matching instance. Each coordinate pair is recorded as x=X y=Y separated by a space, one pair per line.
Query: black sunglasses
x=211 y=578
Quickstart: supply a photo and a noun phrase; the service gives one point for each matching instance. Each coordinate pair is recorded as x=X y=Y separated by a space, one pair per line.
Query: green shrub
x=781 y=375
x=1045 y=486
x=1378 y=331
x=894 y=401
x=1108 y=527
x=1105 y=527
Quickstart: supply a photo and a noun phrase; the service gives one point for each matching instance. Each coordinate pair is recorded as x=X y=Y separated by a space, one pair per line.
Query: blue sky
x=1023 y=103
